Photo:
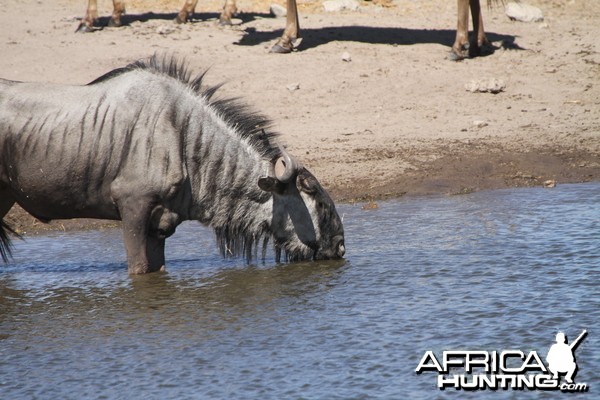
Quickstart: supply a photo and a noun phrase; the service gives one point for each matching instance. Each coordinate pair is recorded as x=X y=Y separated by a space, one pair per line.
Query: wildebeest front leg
x=145 y=253
x=291 y=34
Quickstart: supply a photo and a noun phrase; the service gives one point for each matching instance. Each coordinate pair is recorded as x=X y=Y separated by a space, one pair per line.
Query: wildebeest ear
x=270 y=184
x=307 y=183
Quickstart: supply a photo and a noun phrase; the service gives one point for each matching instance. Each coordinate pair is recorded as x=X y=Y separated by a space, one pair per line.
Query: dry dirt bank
x=395 y=120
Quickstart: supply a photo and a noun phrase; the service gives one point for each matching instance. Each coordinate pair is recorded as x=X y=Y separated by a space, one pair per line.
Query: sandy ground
x=394 y=120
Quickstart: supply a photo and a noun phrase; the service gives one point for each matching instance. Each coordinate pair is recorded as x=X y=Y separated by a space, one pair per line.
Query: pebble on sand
x=340 y=5
x=278 y=11
x=491 y=85
x=523 y=12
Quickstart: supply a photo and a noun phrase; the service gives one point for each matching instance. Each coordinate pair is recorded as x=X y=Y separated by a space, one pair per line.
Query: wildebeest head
x=305 y=223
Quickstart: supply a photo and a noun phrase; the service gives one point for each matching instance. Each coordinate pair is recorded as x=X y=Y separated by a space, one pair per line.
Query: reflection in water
x=493 y=270
x=230 y=294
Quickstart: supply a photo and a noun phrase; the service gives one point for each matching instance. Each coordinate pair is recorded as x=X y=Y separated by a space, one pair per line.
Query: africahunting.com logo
x=508 y=369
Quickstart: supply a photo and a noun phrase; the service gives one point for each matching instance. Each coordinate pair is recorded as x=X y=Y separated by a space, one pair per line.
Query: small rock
x=165 y=30
x=346 y=56
x=523 y=12
x=550 y=183
x=293 y=86
x=278 y=11
x=340 y=5
x=480 y=124
x=491 y=85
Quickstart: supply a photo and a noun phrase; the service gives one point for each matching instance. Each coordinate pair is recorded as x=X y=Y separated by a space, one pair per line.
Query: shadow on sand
x=312 y=38
x=128 y=19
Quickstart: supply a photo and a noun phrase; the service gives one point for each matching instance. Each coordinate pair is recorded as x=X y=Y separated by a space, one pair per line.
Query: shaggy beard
x=235 y=245
x=293 y=252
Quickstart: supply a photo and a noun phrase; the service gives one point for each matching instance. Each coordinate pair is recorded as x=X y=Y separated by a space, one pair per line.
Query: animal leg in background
x=145 y=252
x=290 y=38
x=91 y=15
x=478 y=40
x=460 y=48
x=118 y=11
x=186 y=11
x=229 y=9
x=463 y=47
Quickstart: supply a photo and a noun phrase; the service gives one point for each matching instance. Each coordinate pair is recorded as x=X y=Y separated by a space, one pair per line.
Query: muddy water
x=487 y=271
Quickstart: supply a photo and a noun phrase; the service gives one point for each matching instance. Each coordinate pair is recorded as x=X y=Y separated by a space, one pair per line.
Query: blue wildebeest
x=462 y=47
x=145 y=144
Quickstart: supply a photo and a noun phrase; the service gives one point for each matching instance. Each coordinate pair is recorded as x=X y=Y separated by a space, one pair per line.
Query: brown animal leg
x=144 y=253
x=481 y=38
x=460 y=48
x=91 y=16
x=118 y=11
x=186 y=11
x=483 y=44
x=289 y=39
x=478 y=37
x=229 y=9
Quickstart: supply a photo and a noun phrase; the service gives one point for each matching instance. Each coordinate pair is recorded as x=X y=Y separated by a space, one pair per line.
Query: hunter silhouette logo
x=507 y=369
x=561 y=358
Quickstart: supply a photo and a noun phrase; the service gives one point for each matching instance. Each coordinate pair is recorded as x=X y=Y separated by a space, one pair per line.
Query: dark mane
x=250 y=125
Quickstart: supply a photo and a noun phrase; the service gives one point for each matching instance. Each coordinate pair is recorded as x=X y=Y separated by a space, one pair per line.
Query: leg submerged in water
x=144 y=242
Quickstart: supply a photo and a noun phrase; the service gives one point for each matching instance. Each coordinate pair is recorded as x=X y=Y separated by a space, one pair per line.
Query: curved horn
x=285 y=167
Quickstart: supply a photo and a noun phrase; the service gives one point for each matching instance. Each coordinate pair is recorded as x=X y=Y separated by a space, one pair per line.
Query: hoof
x=85 y=28
x=279 y=49
x=460 y=53
x=486 y=49
x=114 y=24
x=452 y=56
x=225 y=22
x=181 y=19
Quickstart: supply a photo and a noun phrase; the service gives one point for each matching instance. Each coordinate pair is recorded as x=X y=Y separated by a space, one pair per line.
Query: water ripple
x=492 y=270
